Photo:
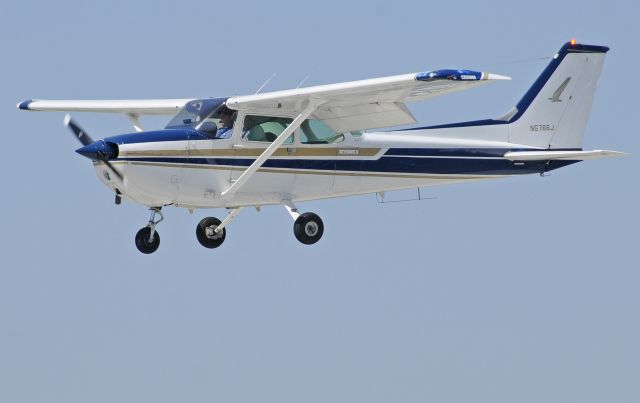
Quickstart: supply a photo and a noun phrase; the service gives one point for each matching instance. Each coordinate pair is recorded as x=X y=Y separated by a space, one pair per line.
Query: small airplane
x=284 y=147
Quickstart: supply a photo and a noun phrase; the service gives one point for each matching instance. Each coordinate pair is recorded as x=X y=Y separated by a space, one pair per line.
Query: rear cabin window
x=313 y=131
x=265 y=128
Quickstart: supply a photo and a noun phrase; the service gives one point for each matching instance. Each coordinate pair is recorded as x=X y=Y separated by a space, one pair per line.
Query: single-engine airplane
x=283 y=147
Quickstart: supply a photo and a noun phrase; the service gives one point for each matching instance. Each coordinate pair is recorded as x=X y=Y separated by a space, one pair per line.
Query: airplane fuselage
x=183 y=167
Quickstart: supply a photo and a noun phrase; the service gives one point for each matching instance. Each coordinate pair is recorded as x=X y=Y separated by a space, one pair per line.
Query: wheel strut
x=152 y=221
x=147 y=239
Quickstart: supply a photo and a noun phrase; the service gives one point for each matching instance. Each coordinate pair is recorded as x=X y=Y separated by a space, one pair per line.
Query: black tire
x=142 y=241
x=308 y=228
x=211 y=241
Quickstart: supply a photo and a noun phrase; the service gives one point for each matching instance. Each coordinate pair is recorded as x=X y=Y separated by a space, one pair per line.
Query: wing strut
x=313 y=105
x=135 y=121
x=232 y=214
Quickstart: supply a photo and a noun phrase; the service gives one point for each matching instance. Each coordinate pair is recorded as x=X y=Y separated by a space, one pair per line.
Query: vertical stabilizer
x=553 y=113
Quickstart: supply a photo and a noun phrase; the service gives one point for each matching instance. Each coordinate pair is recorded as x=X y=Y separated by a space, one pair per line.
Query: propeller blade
x=80 y=134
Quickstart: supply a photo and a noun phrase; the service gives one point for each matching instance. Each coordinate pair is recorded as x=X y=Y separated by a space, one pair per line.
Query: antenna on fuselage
x=266 y=82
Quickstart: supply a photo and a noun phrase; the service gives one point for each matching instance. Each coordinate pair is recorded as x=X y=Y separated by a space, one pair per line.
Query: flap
x=364 y=116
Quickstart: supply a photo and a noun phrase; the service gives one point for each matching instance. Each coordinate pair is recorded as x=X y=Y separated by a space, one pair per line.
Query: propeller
x=95 y=150
x=80 y=134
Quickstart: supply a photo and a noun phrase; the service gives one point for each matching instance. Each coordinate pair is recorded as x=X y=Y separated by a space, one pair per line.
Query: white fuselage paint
x=157 y=181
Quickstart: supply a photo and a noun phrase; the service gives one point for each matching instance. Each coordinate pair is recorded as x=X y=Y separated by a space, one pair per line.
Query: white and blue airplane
x=284 y=147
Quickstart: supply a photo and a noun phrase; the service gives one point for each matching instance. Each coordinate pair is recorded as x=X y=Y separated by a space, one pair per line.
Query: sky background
x=515 y=290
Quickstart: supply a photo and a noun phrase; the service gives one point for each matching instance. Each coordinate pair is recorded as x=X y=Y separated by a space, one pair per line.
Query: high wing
x=132 y=107
x=364 y=104
x=348 y=106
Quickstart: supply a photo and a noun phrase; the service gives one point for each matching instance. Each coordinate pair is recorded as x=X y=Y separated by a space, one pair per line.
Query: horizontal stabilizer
x=561 y=155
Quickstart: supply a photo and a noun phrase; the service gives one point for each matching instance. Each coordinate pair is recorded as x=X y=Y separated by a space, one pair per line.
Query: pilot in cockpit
x=227 y=117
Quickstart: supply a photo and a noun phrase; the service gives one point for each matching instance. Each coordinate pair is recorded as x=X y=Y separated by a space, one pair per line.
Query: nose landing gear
x=148 y=239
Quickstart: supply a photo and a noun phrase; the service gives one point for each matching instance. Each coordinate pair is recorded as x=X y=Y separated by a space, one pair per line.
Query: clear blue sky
x=517 y=290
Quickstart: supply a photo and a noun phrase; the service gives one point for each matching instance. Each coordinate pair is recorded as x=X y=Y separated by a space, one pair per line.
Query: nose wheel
x=148 y=239
x=146 y=242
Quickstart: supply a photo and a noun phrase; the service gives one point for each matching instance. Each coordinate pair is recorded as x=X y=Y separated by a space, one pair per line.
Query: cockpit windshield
x=194 y=112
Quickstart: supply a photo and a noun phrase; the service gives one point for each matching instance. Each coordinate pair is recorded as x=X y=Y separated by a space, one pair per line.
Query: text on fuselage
x=542 y=128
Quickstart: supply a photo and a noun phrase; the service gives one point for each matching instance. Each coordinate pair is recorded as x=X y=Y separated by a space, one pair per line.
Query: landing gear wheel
x=205 y=231
x=142 y=241
x=308 y=228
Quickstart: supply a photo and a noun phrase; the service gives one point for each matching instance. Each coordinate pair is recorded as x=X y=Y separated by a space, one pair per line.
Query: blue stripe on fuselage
x=451 y=152
x=394 y=164
x=462 y=152
x=156 y=136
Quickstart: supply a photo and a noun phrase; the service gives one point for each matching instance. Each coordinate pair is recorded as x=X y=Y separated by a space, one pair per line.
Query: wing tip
x=492 y=76
x=24 y=105
x=458 y=75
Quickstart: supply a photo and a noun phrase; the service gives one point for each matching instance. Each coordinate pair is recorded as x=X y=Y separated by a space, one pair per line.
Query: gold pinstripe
x=253 y=152
x=300 y=172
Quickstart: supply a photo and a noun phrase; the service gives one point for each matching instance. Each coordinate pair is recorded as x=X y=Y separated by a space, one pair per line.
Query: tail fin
x=554 y=112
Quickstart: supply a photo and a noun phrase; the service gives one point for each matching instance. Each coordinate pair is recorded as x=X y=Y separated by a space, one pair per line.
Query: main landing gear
x=207 y=235
x=211 y=232
x=307 y=227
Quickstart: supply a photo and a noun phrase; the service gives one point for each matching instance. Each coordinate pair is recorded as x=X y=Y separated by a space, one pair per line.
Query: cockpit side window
x=220 y=124
x=265 y=128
